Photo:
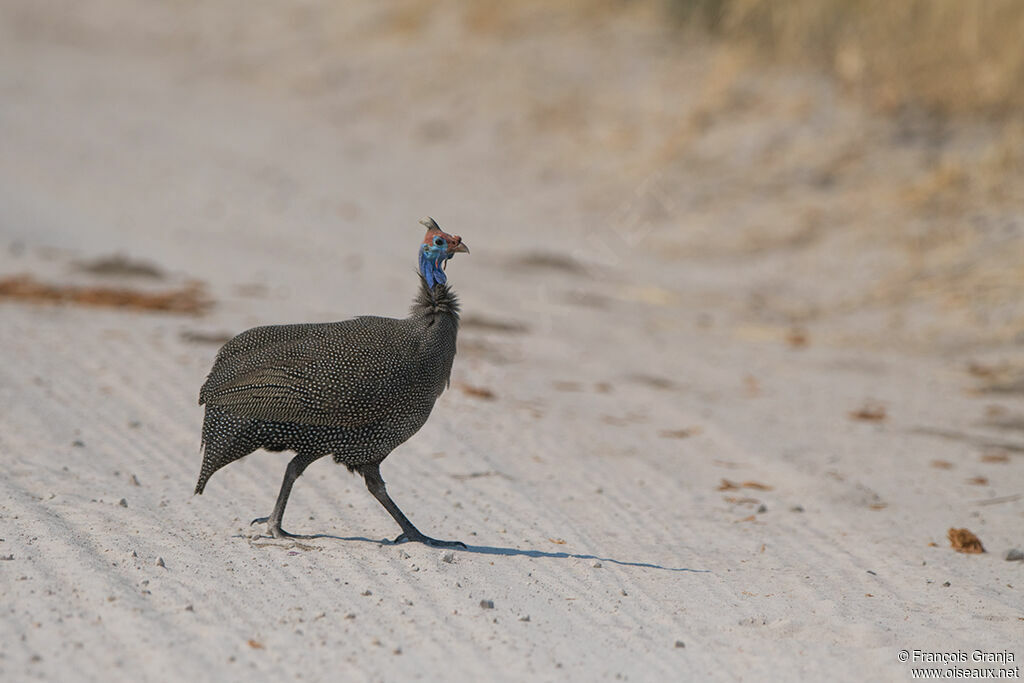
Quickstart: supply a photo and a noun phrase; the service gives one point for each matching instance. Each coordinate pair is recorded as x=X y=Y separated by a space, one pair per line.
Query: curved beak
x=460 y=248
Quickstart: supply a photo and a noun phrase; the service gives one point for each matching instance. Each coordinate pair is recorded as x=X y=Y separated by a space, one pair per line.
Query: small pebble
x=123 y=502
x=1013 y=555
x=597 y=565
x=367 y=592
x=160 y=562
x=797 y=508
x=448 y=557
x=190 y=608
x=350 y=615
x=525 y=617
x=946 y=584
x=680 y=644
x=78 y=443
x=762 y=509
x=134 y=481
x=487 y=604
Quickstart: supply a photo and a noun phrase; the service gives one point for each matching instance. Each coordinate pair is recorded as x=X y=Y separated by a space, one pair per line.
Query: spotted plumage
x=354 y=390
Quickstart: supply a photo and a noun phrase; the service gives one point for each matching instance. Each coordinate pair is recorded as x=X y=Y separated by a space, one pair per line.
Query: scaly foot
x=432 y=542
x=274 y=528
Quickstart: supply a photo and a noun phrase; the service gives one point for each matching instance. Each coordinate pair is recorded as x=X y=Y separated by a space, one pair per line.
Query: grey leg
x=374 y=482
x=295 y=469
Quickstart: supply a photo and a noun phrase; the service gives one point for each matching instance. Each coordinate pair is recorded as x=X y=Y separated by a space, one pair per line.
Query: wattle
x=431 y=269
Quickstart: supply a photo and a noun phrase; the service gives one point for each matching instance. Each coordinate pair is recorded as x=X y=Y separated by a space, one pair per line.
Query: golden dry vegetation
x=945 y=55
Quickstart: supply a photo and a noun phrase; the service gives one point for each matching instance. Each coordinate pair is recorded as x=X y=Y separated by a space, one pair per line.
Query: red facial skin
x=455 y=244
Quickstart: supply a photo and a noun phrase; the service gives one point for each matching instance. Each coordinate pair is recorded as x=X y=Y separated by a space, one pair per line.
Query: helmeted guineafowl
x=355 y=389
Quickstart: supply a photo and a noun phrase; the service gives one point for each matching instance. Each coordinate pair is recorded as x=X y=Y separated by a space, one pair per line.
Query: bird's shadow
x=476 y=549
x=512 y=552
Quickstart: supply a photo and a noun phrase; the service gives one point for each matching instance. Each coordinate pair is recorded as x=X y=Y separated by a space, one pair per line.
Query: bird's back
x=344 y=374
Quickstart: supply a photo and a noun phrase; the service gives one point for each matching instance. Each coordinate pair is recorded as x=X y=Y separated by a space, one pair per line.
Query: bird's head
x=438 y=246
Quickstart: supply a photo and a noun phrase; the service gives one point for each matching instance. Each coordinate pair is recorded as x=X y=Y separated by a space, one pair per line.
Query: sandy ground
x=658 y=443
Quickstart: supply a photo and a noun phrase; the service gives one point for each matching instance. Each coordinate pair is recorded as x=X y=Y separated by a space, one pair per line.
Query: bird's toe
x=274 y=529
x=427 y=540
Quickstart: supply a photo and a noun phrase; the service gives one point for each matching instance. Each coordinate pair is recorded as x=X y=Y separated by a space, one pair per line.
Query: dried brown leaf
x=679 y=433
x=797 y=338
x=869 y=412
x=482 y=393
x=964 y=541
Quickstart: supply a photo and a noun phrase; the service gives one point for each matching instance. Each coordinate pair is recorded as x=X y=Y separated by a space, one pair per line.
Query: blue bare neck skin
x=430 y=266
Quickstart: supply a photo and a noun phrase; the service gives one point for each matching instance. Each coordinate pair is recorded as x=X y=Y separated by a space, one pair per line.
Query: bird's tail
x=226 y=438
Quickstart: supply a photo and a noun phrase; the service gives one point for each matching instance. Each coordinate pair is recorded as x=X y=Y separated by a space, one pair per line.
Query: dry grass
x=946 y=55
x=189 y=300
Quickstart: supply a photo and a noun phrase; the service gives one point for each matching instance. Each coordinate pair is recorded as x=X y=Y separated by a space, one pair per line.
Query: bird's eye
x=438 y=241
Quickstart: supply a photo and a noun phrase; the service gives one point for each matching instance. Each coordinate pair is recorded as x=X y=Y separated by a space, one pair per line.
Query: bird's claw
x=274 y=530
x=427 y=540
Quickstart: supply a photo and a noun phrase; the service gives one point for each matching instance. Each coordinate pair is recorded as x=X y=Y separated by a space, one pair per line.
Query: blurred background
x=843 y=172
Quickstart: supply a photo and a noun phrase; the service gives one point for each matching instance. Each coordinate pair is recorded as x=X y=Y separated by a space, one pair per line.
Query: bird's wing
x=325 y=376
x=244 y=349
